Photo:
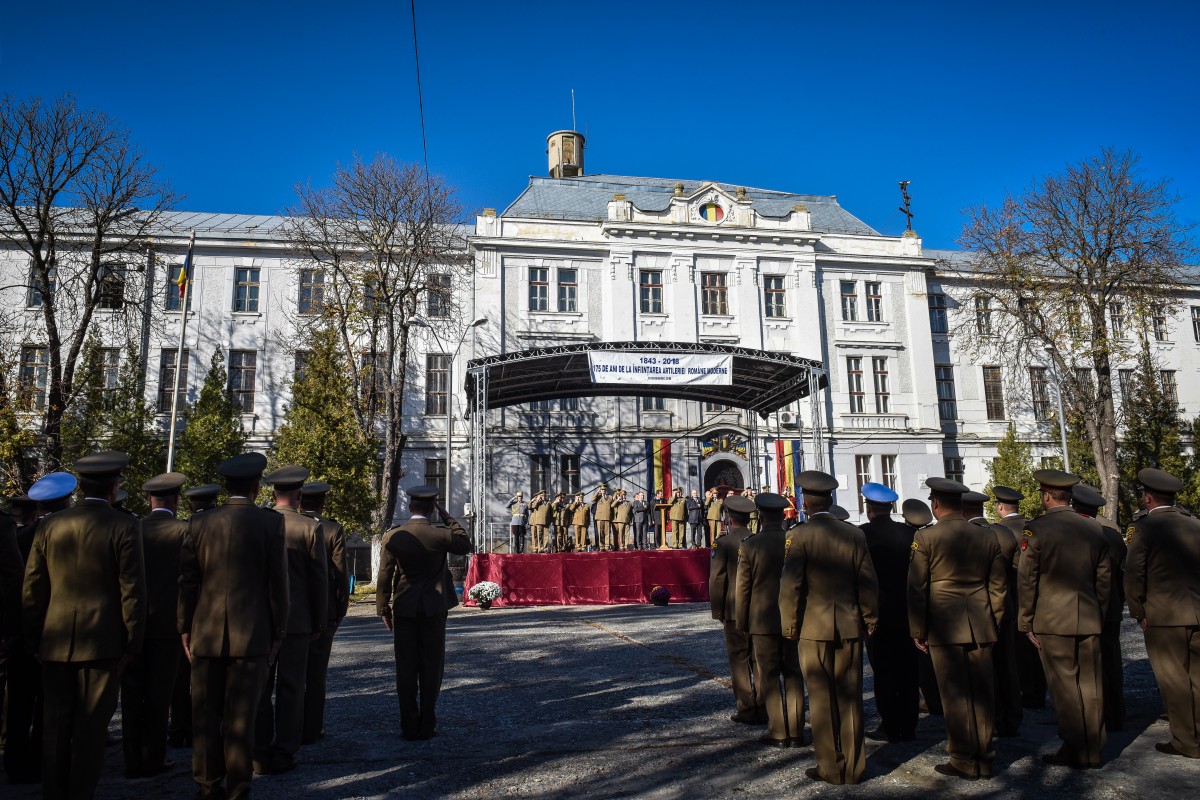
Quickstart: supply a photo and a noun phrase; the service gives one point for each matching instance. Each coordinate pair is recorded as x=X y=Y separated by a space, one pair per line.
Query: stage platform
x=550 y=579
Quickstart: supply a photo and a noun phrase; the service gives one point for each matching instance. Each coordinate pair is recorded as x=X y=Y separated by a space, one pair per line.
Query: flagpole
x=179 y=371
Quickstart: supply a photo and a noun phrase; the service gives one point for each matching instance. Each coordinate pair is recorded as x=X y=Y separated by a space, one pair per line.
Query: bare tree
x=79 y=199
x=1057 y=263
x=386 y=239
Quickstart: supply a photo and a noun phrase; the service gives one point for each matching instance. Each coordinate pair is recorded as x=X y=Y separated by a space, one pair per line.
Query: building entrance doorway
x=723 y=471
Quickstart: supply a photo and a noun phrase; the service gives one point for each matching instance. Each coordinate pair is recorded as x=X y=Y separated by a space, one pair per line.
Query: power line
x=420 y=97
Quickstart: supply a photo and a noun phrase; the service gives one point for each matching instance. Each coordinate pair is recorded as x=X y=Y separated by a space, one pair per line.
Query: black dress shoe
x=745 y=718
x=954 y=772
x=878 y=735
x=1060 y=760
x=772 y=742
x=1169 y=749
x=159 y=768
x=812 y=773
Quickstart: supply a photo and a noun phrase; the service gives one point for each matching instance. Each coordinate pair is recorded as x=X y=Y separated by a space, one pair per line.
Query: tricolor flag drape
x=787 y=460
x=186 y=270
x=658 y=465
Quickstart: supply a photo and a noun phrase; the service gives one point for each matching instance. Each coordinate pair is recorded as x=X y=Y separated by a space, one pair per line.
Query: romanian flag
x=787 y=461
x=186 y=270
x=658 y=465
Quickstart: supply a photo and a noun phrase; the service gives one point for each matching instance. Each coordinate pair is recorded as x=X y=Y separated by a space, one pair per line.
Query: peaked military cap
x=164 y=485
x=205 y=491
x=1055 y=478
x=837 y=512
x=1004 y=494
x=767 y=501
x=120 y=497
x=1156 y=480
x=1086 y=495
x=54 y=486
x=878 y=493
x=247 y=465
x=315 y=489
x=22 y=500
x=102 y=465
x=287 y=478
x=974 y=498
x=519 y=494
x=739 y=504
x=946 y=487
x=815 y=482
x=916 y=513
x=539 y=494
x=579 y=494
x=423 y=492
x=604 y=486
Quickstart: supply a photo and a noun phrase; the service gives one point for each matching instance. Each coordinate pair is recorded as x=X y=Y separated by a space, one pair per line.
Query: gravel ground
x=631 y=701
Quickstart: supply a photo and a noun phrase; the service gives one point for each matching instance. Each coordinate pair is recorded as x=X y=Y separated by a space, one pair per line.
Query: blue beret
x=54 y=486
x=878 y=493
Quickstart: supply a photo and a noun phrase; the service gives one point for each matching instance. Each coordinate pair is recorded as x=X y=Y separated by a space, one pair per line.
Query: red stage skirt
x=534 y=579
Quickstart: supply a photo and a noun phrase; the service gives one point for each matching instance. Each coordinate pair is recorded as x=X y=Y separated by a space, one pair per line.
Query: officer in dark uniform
x=12 y=576
x=1064 y=584
x=312 y=503
x=722 y=586
x=893 y=657
x=233 y=614
x=956 y=587
x=1031 y=675
x=84 y=616
x=917 y=514
x=414 y=591
x=1088 y=501
x=1162 y=582
x=280 y=724
x=1009 y=711
x=149 y=678
x=760 y=564
x=202 y=497
x=828 y=599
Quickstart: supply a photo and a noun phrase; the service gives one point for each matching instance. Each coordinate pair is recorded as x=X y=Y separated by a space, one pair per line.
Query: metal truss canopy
x=762 y=382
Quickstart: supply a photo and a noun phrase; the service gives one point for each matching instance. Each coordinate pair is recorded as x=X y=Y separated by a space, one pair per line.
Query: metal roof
x=762 y=381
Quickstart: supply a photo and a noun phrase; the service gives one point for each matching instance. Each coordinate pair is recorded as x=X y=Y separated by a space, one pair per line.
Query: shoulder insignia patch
x=1025 y=543
x=915 y=545
x=1129 y=535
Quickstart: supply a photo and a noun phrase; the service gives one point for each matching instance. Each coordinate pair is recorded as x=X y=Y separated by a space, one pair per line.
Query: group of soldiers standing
x=214 y=631
x=981 y=618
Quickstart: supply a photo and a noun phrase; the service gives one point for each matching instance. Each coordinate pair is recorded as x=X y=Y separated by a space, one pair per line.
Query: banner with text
x=675 y=369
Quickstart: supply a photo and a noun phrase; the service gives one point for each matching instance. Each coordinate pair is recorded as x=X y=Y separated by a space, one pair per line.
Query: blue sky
x=237 y=101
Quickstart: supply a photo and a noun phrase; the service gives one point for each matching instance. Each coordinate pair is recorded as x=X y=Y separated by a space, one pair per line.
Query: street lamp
x=420 y=323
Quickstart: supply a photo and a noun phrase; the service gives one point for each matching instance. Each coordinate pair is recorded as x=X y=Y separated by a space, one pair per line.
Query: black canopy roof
x=762 y=381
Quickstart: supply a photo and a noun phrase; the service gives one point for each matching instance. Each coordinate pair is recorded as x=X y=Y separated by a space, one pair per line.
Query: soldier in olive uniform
x=1031 y=675
x=233 y=615
x=539 y=521
x=956 y=587
x=1088 y=501
x=917 y=514
x=714 y=504
x=622 y=511
x=760 y=563
x=828 y=598
x=280 y=725
x=602 y=514
x=893 y=657
x=1009 y=711
x=580 y=515
x=312 y=503
x=414 y=592
x=678 y=516
x=562 y=523
x=722 y=586
x=149 y=678
x=84 y=614
x=1064 y=583
x=1162 y=582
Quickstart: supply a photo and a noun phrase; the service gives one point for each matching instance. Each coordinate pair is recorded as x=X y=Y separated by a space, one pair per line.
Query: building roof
x=585 y=199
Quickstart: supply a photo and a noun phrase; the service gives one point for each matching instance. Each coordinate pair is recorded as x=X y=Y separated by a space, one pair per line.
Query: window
x=1039 y=392
x=653 y=403
x=1125 y=382
x=849 y=301
x=953 y=467
x=373 y=383
x=1116 y=315
x=568 y=289
x=38 y=293
x=568 y=404
x=372 y=301
x=172 y=298
x=874 y=301
x=245 y=290
x=35 y=363
x=437 y=382
x=312 y=291
x=854 y=384
x=715 y=298
x=993 y=392
x=862 y=471
x=437 y=297
x=1158 y=324
x=937 y=313
x=1084 y=385
x=539 y=406
x=169 y=380
x=715 y=408
x=112 y=286
x=947 y=404
x=879 y=367
x=539 y=289
x=569 y=473
x=539 y=474
x=300 y=365
x=1170 y=390
x=983 y=315
x=888 y=467
x=1196 y=323
x=242 y=365
x=110 y=373
x=651 y=291
x=774 y=296
x=435 y=475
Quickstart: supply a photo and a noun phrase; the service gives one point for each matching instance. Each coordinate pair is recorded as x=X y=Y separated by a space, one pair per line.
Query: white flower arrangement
x=484 y=592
